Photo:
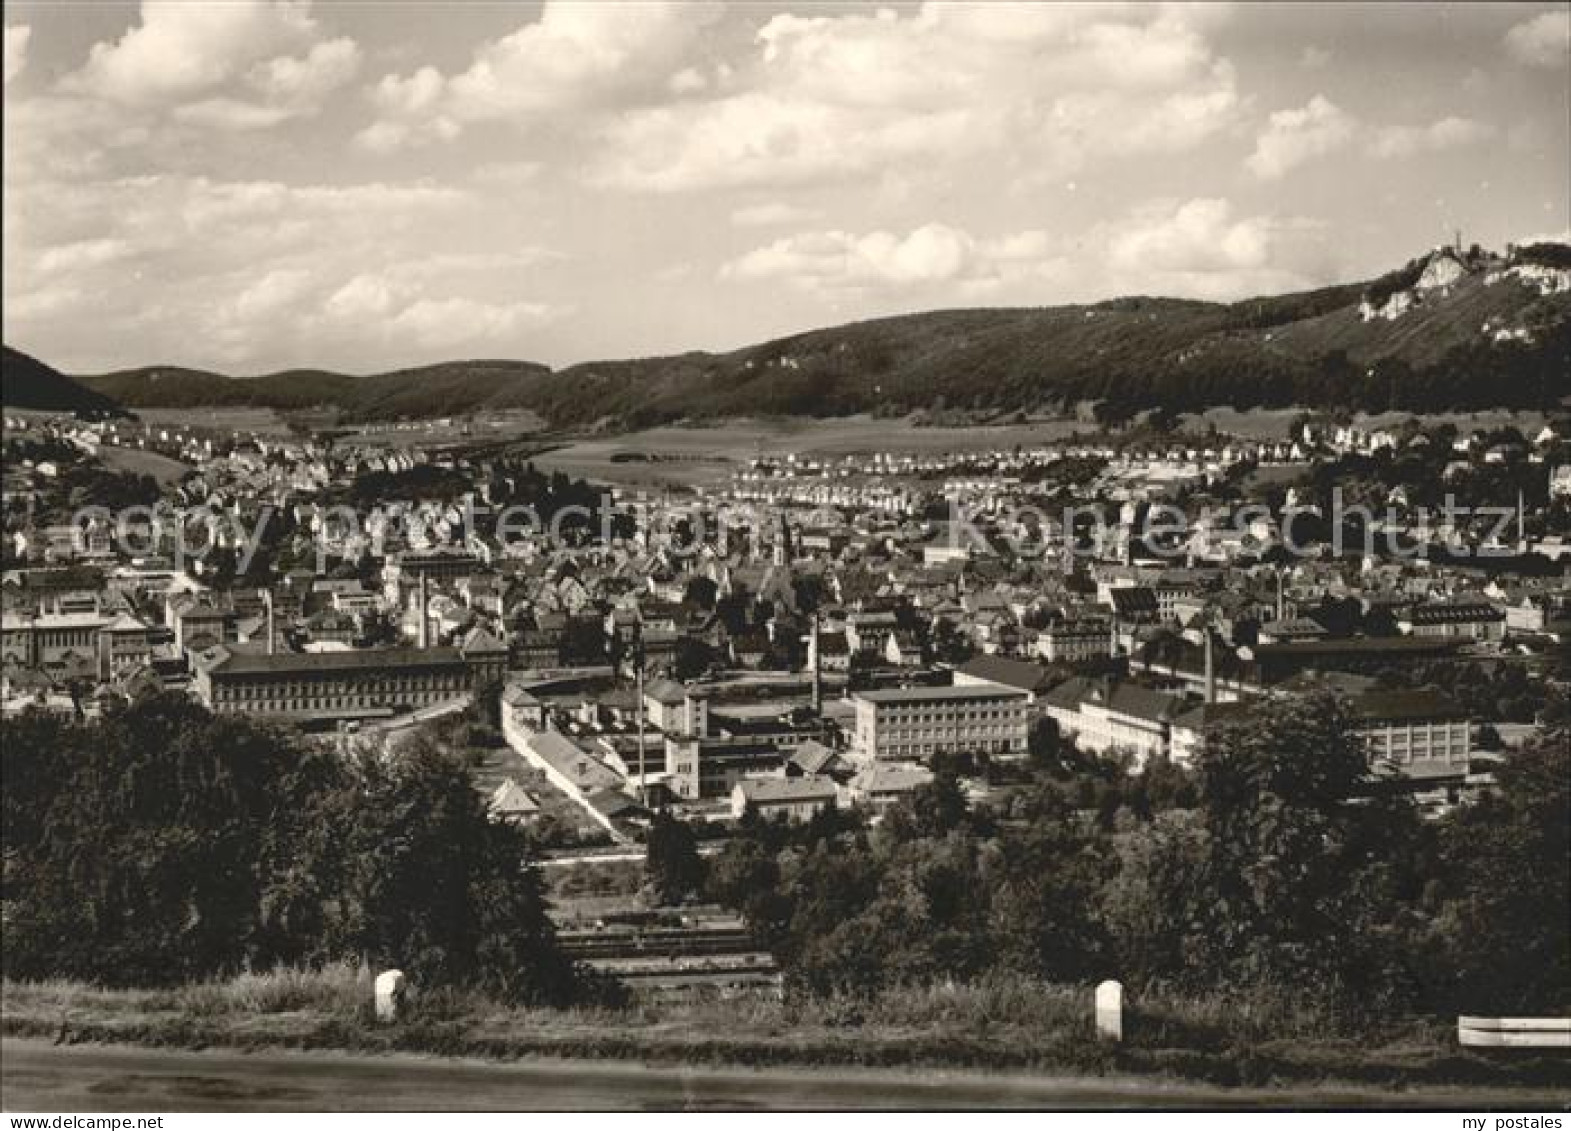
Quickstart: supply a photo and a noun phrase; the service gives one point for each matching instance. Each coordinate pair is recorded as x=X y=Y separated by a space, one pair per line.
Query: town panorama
x=923 y=675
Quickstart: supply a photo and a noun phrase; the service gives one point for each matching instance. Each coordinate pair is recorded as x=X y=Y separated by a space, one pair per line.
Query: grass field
x=261 y=421
x=705 y=454
x=1004 y=1023
x=136 y=461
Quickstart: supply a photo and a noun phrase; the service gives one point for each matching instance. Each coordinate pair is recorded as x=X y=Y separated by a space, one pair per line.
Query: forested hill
x=26 y=382
x=1450 y=329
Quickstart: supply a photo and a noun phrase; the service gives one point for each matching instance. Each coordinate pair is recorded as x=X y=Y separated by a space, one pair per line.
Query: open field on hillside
x=137 y=461
x=235 y=418
x=485 y=427
x=704 y=454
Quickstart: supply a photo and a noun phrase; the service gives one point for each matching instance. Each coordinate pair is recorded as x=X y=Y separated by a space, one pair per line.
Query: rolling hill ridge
x=1452 y=329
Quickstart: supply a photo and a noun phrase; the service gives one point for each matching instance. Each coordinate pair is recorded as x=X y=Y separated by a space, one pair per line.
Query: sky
x=252 y=186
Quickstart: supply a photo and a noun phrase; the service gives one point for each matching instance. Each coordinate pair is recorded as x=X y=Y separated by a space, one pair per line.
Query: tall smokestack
x=818 y=670
x=424 y=635
x=1210 y=669
x=272 y=635
x=638 y=692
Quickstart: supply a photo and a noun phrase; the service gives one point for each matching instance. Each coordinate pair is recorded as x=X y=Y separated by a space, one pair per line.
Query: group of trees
x=1277 y=864
x=162 y=844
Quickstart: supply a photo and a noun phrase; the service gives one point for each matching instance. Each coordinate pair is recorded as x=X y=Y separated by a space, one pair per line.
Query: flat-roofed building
x=1418 y=733
x=912 y=724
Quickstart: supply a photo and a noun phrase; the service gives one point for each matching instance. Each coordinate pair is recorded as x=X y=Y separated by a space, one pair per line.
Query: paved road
x=37 y=1076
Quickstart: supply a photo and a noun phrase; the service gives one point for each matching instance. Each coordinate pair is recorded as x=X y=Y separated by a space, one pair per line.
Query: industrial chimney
x=818 y=670
x=424 y=635
x=1210 y=668
x=272 y=634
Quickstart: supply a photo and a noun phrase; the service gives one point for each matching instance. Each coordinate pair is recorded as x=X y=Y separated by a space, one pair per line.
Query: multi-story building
x=102 y=642
x=675 y=709
x=1420 y=734
x=914 y=723
x=321 y=686
x=1104 y=715
x=1468 y=620
x=1075 y=641
x=704 y=768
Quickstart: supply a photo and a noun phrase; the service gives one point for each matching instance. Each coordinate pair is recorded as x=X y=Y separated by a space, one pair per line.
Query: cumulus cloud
x=1293 y=137
x=574 y=57
x=1543 y=41
x=16 y=37
x=1320 y=128
x=831 y=96
x=770 y=214
x=1408 y=141
x=243 y=64
x=934 y=254
x=1200 y=249
x=82 y=254
x=825 y=96
x=395 y=307
x=242 y=269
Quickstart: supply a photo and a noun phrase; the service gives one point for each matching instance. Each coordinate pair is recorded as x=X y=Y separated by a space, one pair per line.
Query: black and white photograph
x=785 y=555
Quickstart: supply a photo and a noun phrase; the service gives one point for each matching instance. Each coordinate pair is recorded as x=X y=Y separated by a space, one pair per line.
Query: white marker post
x=1110 y=1011
x=389 y=995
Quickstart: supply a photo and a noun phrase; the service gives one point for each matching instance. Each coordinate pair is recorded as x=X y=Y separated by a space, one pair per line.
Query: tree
x=1507 y=907
x=136 y=861
x=165 y=844
x=671 y=860
x=1305 y=856
x=1046 y=880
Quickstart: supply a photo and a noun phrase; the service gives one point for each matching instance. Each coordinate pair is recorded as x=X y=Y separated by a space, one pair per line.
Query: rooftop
x=248 y=663
x=779 y=791
x=940 y=694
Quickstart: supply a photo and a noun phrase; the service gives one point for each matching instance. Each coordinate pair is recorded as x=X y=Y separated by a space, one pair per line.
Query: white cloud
x=770 y=214
x=1320 y=128
x=395 y=307
x=827 y=96
x=1408 y=141
x=16 y=37
x=242 y=64
x=932 y=255
x=575 y=57
x=1199 y=249
x=83 y=254
x=1292 y=137
x=1543 y=41
x=447 y=323
x=223 y=272
x=836 y=96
